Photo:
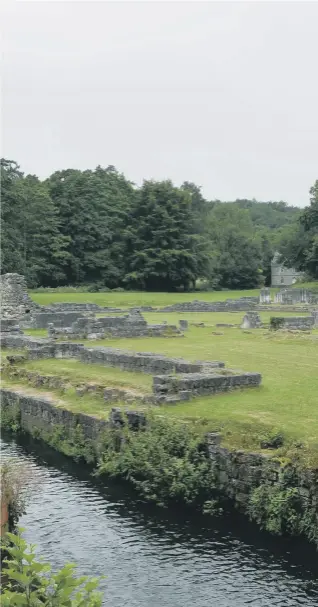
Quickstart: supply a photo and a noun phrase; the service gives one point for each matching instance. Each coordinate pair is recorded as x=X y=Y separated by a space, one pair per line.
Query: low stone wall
x=41 y=320
x=186 y=386
x=14 y=341
x=240 y=472
x=298 y=323
x=294 y=296
x=229 y=305
x=62 y=349
x=129 y=325
x=79 y=307
x=40 y=413
x=145 y=362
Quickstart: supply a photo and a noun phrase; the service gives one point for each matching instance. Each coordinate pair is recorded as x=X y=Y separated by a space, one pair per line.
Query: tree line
x=95 y=227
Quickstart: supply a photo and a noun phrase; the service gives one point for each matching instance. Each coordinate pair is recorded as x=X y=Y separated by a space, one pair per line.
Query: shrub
x=31 y=582
x=166 y=462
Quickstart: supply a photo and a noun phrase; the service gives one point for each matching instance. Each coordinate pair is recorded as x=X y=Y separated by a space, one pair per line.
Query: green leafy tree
x=31 y=242
x=163 y=251
x=299 y=244
x=237 y=255
x=94 y=210
x=32 y=584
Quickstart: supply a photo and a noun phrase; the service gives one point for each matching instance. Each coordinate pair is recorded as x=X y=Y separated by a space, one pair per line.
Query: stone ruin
x=15 y=301
x=293 y=297
x=251 y=320
x=127 y=325
x=174 y=379
x=265 y=296
x=294 y=323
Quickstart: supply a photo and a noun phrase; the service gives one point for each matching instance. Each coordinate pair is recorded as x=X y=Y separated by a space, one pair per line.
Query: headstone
x=251 y=320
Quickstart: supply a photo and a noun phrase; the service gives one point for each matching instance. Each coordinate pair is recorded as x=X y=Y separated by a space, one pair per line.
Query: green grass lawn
x=79 y=373
x=286 y=402
x=140 y=298
x=131 y=298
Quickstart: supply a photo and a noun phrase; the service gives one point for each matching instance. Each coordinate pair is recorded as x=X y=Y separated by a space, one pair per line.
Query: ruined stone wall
x=240 y=472
x=230 y=305
x=294 y=297
x=298 y=323
x=142 y=361
x=41 y=320
x=187 y=386
x=129 y=325
x=15 y=301
x=79 y=307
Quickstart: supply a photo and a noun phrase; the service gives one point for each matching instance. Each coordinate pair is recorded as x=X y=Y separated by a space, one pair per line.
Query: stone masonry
x=298 y=323
x=15 y=301
x=293 y=296
x=251 y=320
x=128 y=325
x=144 y=362
x=170 y=388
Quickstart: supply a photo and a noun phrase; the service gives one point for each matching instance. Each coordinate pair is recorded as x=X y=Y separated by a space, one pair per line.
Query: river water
x=151 y=557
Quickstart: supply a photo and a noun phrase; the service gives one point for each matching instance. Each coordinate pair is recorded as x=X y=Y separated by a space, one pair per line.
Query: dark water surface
x=153 y=558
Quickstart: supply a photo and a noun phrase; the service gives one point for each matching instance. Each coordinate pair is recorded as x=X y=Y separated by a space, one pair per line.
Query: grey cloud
x=223 y=94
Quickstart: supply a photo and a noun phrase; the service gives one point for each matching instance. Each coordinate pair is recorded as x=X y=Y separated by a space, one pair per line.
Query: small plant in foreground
x=32 y=584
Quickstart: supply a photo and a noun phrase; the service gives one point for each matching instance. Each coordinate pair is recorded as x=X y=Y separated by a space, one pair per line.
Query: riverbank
x=166 y=556
x=171 y=462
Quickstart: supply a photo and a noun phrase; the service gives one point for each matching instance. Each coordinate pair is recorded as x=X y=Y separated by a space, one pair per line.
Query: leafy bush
x=31 y=582
x=276 y=509
x=166 y=462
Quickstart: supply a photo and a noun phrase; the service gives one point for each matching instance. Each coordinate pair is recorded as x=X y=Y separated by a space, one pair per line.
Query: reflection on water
x=152 y=557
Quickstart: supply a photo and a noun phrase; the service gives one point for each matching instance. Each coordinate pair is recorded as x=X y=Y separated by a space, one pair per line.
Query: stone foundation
x=129 y=325
x=144 y=362
x=41 y=320
x=294 y=296
x=229 y=305
x=187 y=386
x=298 y=323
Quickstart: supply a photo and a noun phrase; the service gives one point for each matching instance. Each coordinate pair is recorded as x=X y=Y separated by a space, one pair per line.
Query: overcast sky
x=224 y=94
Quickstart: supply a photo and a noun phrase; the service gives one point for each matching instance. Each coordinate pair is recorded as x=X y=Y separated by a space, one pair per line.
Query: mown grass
x=132 y=298
x=210 y=318
x=79 y=373
x=141 y=298
x=286 y=402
